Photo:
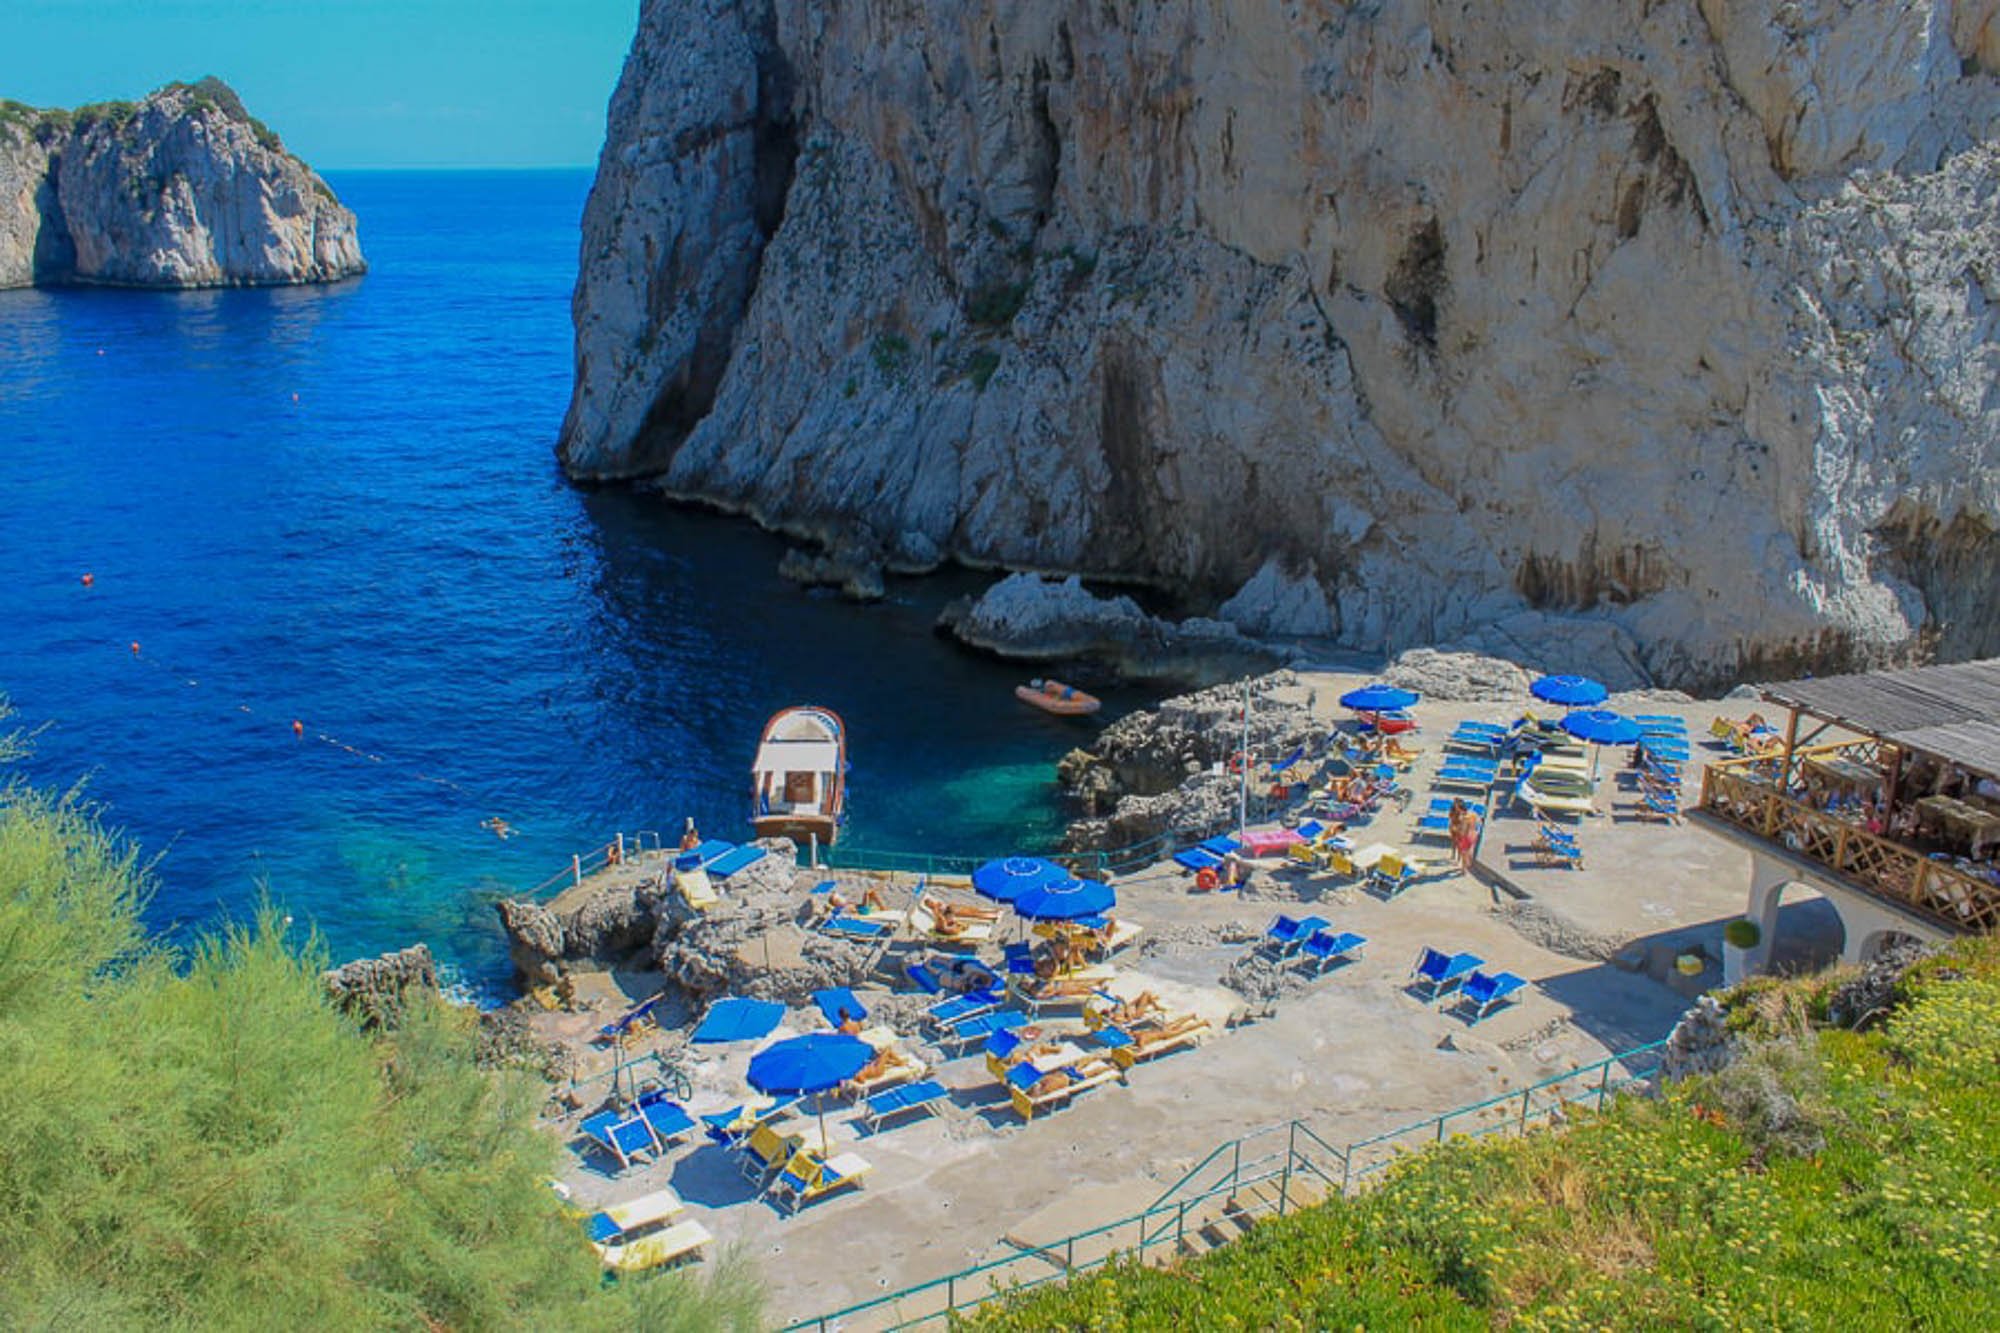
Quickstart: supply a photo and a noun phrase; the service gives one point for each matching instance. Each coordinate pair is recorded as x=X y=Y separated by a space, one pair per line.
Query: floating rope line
x=187 y=679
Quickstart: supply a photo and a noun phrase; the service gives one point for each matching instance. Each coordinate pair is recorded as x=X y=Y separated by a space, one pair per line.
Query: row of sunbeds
x=1436 y=974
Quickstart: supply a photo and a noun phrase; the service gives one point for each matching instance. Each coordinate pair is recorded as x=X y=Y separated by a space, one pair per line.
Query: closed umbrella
x=1010 y=877
x=1601 y=727
x=1569 y=691
x=1377 y=698
x=1067 y=900
x=812 y=1063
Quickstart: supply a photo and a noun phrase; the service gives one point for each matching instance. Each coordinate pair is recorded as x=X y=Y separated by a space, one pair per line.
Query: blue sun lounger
x=857 y=928
x=1197 y=859
x=976 y=1030
x=959 y=1008
x=621 y=1136
x=668 y=1120
x=1285 y=934
x=1019 y=958
x=1484 y=991
x=837 y=1003
x=1324 y=948
x=920 y=1096
x=1437 y=972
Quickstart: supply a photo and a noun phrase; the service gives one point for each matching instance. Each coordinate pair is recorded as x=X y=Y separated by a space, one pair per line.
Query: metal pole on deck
x=1243 y=786
x=812 y=840
x=621 y=848
x=576 y=868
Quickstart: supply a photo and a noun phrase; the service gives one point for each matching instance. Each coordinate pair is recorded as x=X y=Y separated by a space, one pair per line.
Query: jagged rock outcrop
x=1390 y=322
x=183 y=189
x=1030 y=618
x=1165 y=769
x=377 y=990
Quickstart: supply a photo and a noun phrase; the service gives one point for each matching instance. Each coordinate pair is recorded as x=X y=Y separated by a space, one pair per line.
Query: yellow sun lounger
x=970 y=932
x=1031 y=1091
x=695 y=887
x=807 y=1177
x=896 y=1066
x=659 y=1249
x=1183 y=1030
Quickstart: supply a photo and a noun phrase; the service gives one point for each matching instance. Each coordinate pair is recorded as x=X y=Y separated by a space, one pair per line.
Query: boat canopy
x=783 y=754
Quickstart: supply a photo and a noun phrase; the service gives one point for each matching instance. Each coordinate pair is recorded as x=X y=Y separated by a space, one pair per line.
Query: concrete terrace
x=1353 y=1053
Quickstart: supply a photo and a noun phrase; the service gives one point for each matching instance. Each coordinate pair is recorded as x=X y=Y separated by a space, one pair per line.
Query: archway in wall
x=1809 y=933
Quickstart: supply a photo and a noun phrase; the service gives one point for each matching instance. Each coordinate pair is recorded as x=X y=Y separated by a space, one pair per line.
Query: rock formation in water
x=1393 y=322
x=184 y=189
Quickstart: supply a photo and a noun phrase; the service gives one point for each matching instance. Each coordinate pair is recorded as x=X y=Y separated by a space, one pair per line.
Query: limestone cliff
x=184 y=189
x=1398 y=321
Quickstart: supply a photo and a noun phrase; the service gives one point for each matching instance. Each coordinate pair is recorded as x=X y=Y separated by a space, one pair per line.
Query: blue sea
x=338 y=507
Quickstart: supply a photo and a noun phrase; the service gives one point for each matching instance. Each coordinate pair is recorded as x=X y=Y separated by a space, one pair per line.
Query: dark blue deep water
x=339 y=505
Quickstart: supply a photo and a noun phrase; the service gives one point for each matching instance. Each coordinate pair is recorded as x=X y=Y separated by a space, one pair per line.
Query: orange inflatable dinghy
x=1052 y=696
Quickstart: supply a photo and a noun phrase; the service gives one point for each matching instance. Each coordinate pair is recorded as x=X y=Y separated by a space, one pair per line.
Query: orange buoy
x=135 y=648
x=89 y=579
x=298 y=728
x=1206 y=879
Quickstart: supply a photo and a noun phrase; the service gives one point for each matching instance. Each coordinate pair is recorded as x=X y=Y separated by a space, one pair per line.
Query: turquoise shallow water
x=391 y=558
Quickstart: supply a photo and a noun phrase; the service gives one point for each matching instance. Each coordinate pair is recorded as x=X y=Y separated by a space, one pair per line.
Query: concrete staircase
x=1218 y=1224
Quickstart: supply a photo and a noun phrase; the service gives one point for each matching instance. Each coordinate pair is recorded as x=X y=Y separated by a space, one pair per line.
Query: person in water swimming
x=501 y=828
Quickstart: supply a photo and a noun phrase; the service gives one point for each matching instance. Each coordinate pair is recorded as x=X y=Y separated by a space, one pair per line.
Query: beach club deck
x=1882 y=793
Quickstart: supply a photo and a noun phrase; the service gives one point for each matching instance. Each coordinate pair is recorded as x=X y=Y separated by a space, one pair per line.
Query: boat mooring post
x=621 y=848
x=812 y=841
x=576 y=868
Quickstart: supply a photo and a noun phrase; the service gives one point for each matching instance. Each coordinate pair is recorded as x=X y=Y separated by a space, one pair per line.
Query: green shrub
x=995 y=304
x=979 y=367
x=890 y=353
x=1831 y=1180
x=1743 y=933
x=200 y=1140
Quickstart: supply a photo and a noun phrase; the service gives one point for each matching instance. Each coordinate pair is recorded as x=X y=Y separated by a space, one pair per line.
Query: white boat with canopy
x=799 y=778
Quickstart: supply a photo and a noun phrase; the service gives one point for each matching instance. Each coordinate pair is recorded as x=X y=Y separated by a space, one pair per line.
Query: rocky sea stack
x=183 y=189
x=1666 y=327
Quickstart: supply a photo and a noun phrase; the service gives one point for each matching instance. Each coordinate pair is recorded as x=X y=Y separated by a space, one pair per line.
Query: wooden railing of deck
x=1741 y=792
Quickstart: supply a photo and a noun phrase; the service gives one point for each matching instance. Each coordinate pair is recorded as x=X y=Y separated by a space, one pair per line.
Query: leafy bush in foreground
x=1704 y=1209
x=203 y=1141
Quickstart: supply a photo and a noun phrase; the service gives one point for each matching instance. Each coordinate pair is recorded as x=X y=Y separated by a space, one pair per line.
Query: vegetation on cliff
x=197 y=1138
x=1829 y=1178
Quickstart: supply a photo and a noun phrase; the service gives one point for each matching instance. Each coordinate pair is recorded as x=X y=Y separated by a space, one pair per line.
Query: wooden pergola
x=1942 y=717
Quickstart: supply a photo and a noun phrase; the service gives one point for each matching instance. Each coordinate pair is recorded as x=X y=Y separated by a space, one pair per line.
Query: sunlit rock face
x=1658 y=332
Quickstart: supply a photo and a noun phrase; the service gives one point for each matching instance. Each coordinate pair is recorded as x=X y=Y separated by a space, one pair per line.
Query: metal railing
x=1736 y=793
x=1278 y=1155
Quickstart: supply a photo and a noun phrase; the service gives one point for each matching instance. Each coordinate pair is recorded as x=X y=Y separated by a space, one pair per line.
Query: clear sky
x=347 y=83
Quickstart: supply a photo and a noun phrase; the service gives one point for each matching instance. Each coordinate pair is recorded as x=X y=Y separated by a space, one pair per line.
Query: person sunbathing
x=947 y=920
x=1137 y=1009
x=886 y=1059
x=959 y=911
x=871 y=901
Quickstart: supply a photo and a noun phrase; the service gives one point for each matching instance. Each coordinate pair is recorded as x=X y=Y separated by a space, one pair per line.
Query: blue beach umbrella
x=1008 y=878
x=1601 y=726
x=1569 y=691
x=1067 y=900
x=812 y=1063
x=1377 y=698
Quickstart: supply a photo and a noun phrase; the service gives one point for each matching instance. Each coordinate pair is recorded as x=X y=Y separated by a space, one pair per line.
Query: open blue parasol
x=812 y=1063
x=1010 y=877
x=1601 y=726
x=1067 y=900
x=1569 y=691
x=1379 y=697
